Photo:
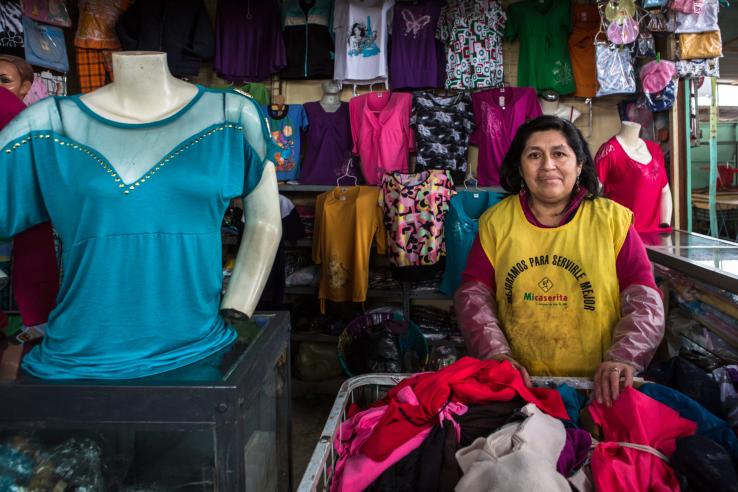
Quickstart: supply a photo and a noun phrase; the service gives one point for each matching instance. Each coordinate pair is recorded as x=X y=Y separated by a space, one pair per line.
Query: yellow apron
x=558 y=295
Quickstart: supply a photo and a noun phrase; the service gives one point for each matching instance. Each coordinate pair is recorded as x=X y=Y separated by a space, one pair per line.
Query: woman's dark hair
x=362 y=29
x=510 y=177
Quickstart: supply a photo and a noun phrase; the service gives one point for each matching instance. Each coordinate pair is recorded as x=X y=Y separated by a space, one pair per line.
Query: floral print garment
x=415 y=207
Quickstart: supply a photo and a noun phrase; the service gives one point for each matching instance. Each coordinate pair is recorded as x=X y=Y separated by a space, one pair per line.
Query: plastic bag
x=654 y=4
x=663 y=100
x=615 y=72
x=622 y=31
x=645 y=45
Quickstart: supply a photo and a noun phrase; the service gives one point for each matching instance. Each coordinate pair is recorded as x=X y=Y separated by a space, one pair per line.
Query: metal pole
x=713 y=158
x=688 y=146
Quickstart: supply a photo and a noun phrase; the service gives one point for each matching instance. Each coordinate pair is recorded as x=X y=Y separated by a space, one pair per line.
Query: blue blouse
x=460 y=228
x=141 y=283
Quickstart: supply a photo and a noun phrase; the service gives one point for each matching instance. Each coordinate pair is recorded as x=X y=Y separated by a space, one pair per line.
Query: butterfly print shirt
x=417 y=57
x=442 y=127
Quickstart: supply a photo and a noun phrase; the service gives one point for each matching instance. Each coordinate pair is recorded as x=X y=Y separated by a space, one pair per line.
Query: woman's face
x=11 y=80
x=549 y=167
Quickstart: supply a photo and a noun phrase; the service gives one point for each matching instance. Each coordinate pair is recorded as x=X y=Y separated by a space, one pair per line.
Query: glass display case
x=714 y=261
x=223 y=424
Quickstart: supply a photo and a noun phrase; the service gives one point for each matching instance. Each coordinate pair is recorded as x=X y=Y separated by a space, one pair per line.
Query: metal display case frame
x=220 y=407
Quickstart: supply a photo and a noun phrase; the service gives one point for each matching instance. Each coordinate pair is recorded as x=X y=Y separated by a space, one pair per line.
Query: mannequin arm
x=666 y=205
x=262 y=231
x=261 y=236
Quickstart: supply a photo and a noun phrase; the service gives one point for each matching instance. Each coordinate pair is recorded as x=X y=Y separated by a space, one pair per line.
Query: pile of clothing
x=475 y=426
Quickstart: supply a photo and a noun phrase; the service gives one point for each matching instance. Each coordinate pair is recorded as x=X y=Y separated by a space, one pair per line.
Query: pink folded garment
x=656 y=75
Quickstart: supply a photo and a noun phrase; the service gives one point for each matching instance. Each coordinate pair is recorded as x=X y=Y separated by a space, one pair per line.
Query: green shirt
x=543 y=27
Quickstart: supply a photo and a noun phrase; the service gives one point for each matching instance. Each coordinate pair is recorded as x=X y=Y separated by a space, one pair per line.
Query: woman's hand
x=607 y=381
x=517 y=365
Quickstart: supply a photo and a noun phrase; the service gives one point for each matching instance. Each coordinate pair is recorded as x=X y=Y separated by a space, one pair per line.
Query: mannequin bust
x=636 y=148
x=331 y=100
x=16 y=75
x=145 y=91
x=551 y=105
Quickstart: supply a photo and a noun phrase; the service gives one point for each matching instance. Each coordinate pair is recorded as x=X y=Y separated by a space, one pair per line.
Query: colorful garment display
x=141 y=258
x=637 y=419
x=469 y=381
x=380 y=127
x=181 y=29
x=327 y=144
x=306 y=27
x=472 y=31
x=633 y=184
x=498 y=114
x=256 y=90
x=249 y=46
x=347 y=221
x=552 y=281
x=286 y=125
x=415 y=62
x=543 y=27
x=585 y=24
x=415 y=207
x=360 y=28
x=355 y=471
x=459 y=229
x=11 y=27
x=442 y=126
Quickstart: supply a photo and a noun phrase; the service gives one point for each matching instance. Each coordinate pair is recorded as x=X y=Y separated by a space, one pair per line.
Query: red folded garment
x=469 y=381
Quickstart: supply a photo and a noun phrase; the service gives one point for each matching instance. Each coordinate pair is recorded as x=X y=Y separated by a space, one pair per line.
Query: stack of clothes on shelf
x=475 y=426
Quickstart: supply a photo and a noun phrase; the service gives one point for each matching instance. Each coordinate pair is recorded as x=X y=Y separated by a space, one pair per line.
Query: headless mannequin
x=331 y=100
x=551 y=105
x=636 y=148
x=145 y=91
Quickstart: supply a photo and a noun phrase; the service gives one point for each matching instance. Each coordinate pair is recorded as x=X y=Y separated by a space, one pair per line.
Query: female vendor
x=558 y=281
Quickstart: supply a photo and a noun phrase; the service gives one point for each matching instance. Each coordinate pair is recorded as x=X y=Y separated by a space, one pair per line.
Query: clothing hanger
x=342 y=190
x=472 y=179
x=278 y=99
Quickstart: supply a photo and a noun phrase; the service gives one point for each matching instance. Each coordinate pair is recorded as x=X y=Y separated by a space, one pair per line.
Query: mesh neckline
x=87 y=110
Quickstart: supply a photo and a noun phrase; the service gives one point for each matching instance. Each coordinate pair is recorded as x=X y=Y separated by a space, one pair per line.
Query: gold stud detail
x=137 y=183
x=8 y=151
x=117 y=180
x=121 y=185
x=126 y=192
x=131 y=187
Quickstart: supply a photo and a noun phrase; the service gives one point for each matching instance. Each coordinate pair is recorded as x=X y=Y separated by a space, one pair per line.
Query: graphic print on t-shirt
x=362 y=40
x=414 y=25
x=284 y=158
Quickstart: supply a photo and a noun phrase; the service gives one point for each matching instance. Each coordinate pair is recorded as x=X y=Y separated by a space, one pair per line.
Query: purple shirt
x=414 y=59
x=248 y=40
x=327 y=144
x=496 y=126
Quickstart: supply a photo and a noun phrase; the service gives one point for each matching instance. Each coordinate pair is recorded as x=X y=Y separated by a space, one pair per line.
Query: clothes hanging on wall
x=361 y=31
x=459 y=230
x=498 y=114
x=442 y=127
x=415 y=206
x=472 y=31
x=633 y=184
x=380 y=127
x=248 y=40
x=415 y=62
x=306 y=27
x=180 y=28
x=286 y=125
x=327 y=144
x=347 y=221
x=585 y=25
x=543 y=27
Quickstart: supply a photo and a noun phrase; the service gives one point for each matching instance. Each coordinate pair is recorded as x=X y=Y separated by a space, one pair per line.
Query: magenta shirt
x=380 y=127
x=632 y=184
x=496 y=126
x=632 y=264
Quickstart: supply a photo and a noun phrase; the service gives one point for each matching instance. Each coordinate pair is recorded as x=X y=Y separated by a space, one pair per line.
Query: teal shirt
x=142 y=280
x=460 y=227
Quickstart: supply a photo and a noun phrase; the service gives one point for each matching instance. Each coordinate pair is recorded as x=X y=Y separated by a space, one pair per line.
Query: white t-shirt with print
x=361 y=28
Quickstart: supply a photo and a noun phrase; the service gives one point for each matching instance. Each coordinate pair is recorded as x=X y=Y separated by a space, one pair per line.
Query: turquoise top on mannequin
x=142 y=260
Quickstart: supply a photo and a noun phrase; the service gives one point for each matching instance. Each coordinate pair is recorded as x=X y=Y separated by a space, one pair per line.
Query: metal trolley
x=365 y=390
